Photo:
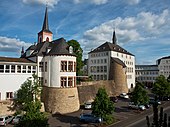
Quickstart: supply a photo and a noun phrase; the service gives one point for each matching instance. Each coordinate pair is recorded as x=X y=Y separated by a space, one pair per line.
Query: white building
x=164 y=66
x=146 y=74
x=13 y=73
x=99 y=61
x=52 y=60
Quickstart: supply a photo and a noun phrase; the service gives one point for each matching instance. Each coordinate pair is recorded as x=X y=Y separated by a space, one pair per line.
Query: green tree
x=139 y=95
x=161 y=86
x=78 y=51
x=28 y=100
x=102 y=106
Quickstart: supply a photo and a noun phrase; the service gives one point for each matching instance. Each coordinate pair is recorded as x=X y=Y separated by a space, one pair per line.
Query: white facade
x=129 y=61
x=12 y=75
x=146 y=74
x=54 y=72
x=99 y=65
x=164 y=66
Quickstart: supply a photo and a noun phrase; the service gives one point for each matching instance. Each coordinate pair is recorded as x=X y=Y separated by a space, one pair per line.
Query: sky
x=142 y=26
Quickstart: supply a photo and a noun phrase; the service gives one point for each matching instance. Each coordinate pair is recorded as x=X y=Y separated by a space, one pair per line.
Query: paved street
x=126 y=117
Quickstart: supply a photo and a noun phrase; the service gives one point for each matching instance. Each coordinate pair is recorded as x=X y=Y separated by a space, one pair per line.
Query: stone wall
x=5 y=107
x=87 y=90
x=60 y=100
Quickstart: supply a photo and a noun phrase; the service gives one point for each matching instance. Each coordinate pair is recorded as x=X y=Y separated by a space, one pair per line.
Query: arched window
x=40 y=39
x=47 y=39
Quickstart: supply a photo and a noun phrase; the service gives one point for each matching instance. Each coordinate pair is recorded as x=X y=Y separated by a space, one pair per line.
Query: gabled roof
x=10 y=59
x=107 y=46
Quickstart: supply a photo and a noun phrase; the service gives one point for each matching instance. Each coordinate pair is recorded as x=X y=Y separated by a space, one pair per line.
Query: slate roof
x=60 y=47
x=159 y=60
x=45 y=27
x=107 y=46
x=57 y=47
x=10 y=59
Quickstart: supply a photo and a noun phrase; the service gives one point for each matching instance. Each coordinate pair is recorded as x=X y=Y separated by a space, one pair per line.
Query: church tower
x=45 y=34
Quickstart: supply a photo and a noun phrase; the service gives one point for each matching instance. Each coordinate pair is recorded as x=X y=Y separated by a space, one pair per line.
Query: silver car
x=16 y=119
x=4 y=120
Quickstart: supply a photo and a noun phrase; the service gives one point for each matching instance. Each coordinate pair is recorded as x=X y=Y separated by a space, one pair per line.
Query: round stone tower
x=60 y=93
x=117 y=73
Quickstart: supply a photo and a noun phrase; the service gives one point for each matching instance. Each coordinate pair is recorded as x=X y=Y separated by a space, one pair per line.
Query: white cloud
x=97 y=2
x=44 y=2
x=132 y=2
x=12 y=44
x=145 y=25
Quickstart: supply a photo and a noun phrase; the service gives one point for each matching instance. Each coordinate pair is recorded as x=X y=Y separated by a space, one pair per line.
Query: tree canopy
x=78 y=51
x=102 y=106
x=139 y=95
x=28 y=100
x=161 y=86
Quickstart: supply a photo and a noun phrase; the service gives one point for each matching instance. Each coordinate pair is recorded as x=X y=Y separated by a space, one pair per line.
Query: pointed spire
x=22 y=51
x=45 y=24
x=114 y=40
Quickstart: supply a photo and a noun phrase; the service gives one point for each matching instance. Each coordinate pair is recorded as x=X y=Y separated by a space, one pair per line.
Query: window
x=34 y=69
x=7 y=69
x=19 y=68
x=70 y=66
x=101 y=68
x=9 y=95
x=12 y=68
x=74 y=66
x=98 y=69
x=29 y=69
x=23 y=69
x=63 y=65
x=41 y=66
x=63 y=81
x=105 y=60
x=45 y=66
x=105 y=68
x=1 y=68
x=105 y=77
x=47 y=39
x=70 y=82
x=101 y=77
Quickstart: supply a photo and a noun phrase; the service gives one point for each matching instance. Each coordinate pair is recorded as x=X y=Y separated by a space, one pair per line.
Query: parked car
x=147 y=105
x=4 y=120
x=88 y=105
x=16 y=119
x=138 y=107
x=124 y=95
x=114 y=99
x=88 y=117
x=152 y=101
x=164 y=98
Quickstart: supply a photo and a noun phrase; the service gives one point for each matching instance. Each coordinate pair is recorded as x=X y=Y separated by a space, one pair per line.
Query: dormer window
x=71 y=49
